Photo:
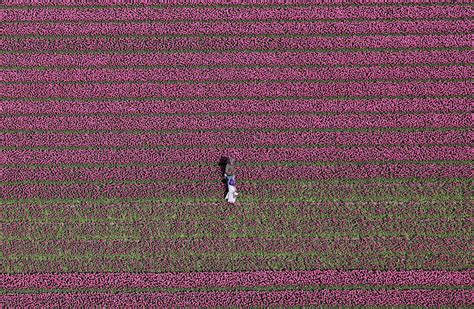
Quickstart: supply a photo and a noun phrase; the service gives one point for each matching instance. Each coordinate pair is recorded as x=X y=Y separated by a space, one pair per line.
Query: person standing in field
x=230 y=169
x=231 y=184
x=232 y=194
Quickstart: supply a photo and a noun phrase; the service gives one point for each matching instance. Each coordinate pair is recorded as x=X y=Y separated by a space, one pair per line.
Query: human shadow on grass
x=222 y=163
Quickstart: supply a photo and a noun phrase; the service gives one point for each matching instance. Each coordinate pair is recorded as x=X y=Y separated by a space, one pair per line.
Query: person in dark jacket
x=230 y=169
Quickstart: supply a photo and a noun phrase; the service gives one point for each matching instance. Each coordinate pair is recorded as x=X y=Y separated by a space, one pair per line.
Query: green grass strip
x=199 y=219
x=231 y=236
x=179 y=254
x=243 y=199
x=255 y=206
x=295 y=182
x=254 y=213
x=299 y=182
x=103 y=200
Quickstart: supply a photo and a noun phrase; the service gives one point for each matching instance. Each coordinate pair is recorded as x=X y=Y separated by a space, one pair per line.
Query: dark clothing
x=229 y=169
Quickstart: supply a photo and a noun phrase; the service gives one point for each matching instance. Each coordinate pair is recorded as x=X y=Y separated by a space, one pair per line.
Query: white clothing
x=232 y=194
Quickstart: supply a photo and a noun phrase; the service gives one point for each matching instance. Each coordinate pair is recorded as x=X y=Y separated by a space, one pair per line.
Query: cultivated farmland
x=351 y=123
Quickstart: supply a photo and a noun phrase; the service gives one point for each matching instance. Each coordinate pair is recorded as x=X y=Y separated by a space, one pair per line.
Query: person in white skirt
x=230 y=177
x=232 y=193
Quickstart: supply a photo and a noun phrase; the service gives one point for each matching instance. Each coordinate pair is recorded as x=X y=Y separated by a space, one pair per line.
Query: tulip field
x=350 y=122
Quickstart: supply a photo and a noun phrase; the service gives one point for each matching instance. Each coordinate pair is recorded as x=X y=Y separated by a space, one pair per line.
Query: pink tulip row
x=246 y=139
x=229 y=74
x=205 y=122
x=237 y=13
x=216 y=90
x=247 y=298
x=239 y=58
x=206 y=190
x=236 y=43
x=139 y=3
x=239 y=279
x=162 y=156
x=229 y=106
x=233 y=28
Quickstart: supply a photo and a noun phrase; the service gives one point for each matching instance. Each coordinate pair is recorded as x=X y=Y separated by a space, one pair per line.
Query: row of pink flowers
x=249 y=298
x=237 y=13
x=205 y=190
x=204 y=122
x=238 y=28
x=218 y=90
x=171 y=106
x=229 y=74
x=236 y=43
x=324 y=154
x=239 y=279
x=239 y=58
x=245 y=139
x=212 y=191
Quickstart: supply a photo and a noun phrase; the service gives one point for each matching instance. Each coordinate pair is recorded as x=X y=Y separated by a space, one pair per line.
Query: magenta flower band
x=358 y=287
